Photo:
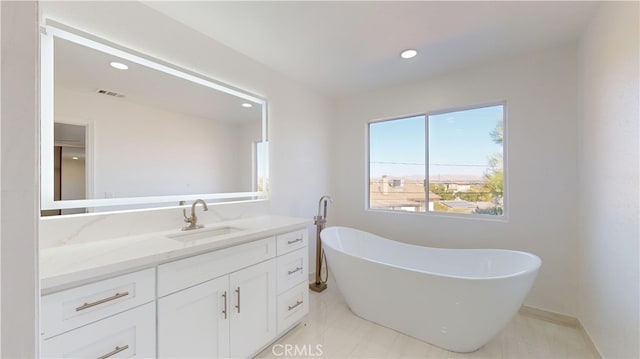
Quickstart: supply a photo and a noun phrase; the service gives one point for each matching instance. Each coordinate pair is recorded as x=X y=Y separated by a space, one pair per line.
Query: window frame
x=505 y=144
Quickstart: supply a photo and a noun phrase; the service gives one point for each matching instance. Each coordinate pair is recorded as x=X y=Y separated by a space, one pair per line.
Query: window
x=449 y=162
x=261 y=166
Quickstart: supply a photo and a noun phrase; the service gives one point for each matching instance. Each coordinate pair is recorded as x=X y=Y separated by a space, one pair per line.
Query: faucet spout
x=193 y=220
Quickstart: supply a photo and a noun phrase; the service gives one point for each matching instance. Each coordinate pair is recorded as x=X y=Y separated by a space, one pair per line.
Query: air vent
x=110 y=93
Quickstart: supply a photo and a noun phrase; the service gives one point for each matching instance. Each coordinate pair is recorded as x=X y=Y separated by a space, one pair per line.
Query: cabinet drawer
x=184 y=273
x=293 y=305
x=126 y=335
x=293 y=268
x=291 y=241
x=82 y=305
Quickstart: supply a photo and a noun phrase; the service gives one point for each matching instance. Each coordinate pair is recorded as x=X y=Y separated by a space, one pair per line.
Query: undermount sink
x=204 y=233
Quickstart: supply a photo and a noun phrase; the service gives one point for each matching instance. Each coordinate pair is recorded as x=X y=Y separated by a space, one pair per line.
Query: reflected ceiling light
x=408 y=53
x=119 y=65
x=74 y=158
x=247 y=105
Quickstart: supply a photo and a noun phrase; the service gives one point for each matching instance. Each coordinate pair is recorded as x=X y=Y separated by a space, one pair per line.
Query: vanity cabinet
x=229 y=302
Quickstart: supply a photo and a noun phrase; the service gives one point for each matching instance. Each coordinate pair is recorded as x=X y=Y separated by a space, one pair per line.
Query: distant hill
x=445 y=178
x=456 y=178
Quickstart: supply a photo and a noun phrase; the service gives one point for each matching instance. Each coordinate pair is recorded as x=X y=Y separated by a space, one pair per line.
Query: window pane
x=397 y=164
x=262 y=166
x=466 y=161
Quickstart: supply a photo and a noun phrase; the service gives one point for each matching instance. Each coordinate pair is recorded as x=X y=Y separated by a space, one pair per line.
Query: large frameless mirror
x=121 y=130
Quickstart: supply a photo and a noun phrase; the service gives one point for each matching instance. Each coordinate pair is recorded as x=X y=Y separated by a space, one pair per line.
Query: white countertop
x=66 y=266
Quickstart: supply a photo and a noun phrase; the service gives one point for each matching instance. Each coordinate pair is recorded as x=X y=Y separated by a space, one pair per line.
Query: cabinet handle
x=238 y=305
x=298 y=302
x=114 y=352
x=295 y=270
x=101 y=301
x=224 y=295
x=299 y=239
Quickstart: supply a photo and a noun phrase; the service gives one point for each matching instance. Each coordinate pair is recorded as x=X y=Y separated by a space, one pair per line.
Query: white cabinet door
x=194 y=323
x=253 y=308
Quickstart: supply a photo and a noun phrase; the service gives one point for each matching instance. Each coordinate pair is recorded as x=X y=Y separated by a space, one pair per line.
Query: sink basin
x=203 y=233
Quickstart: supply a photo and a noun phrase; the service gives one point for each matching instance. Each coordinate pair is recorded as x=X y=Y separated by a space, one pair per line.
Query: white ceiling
x=340 y=48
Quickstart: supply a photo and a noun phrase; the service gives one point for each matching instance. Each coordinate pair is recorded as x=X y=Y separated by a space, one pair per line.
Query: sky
x=459 y=144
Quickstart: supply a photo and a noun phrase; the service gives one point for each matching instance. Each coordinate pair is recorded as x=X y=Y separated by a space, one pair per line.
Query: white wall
x=72 y=176
x=133 y=145
x=608 y=295
x=73 y=180
x=540 y=92
x=19 y=182
x=0 y=191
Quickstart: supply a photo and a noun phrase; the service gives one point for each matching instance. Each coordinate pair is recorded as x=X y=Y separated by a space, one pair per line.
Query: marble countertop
x=70 y=265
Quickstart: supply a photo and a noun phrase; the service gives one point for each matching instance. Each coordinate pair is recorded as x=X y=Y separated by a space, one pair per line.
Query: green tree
x=469 y=196
x=498 y=132
x=494 y=175
x=442 y=191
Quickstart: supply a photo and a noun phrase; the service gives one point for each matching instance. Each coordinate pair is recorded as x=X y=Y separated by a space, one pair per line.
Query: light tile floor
x=342 y=334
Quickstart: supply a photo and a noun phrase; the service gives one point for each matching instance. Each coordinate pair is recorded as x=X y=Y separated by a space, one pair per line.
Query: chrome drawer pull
x=225 y=305
x=114 y=352
x=299 y=239
x=298 y=269
x=298 y=302
x=238 y=305
x=101 y=301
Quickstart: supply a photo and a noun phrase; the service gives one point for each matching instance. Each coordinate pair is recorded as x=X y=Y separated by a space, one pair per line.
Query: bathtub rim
x=534 y=268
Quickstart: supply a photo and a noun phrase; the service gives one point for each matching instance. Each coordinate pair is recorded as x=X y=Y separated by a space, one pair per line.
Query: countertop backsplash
x=76 y=229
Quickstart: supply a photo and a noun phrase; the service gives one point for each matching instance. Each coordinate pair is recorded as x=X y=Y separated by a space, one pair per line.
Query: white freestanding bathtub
x=457 y=299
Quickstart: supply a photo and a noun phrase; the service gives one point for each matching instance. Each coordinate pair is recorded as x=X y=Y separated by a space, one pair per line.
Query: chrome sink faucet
x=193 y=220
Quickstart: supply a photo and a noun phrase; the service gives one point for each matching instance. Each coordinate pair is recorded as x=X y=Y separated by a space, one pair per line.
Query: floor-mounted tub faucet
x=320 y=221
x=193 y=220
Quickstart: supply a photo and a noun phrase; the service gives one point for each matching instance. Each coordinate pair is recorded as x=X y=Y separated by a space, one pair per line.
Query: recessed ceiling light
x=247 y=105
x=408 y=53
x=119 y=65
x=74 y=158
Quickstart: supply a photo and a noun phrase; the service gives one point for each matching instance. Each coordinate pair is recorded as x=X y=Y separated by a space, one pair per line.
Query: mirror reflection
x=124 y=130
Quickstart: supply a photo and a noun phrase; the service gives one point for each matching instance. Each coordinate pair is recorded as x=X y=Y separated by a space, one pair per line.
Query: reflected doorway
x=70 y=166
